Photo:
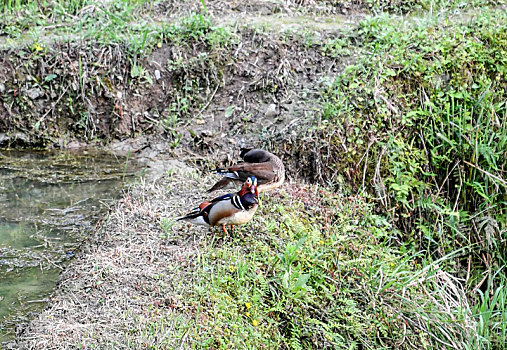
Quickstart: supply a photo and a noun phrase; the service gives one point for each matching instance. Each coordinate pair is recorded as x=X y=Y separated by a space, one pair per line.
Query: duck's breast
x=221 y=210
x=239 y=218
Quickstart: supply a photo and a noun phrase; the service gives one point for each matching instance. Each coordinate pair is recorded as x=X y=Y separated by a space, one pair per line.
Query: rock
x=20 y=136
x=157 y=74
x=33 y=93
x=271 y=111
x=148 y=153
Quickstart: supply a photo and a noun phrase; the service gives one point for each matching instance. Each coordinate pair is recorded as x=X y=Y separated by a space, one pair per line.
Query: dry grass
x=126 y=276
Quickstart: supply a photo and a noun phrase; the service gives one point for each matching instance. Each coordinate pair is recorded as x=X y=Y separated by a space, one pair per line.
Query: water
x=49 y=202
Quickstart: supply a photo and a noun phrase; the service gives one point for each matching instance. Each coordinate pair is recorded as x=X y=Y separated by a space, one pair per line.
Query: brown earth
x=259 y=91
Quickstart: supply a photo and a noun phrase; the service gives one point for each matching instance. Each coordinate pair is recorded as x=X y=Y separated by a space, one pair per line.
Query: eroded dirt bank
x=256 y=87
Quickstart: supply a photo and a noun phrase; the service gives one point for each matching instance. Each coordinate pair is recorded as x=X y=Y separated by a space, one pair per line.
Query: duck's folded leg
x=225 y=230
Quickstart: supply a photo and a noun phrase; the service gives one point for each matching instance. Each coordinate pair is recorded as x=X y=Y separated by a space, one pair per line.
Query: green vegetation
x=423 y=100
x=420 y=121
x=317 y=270
x=410 y=6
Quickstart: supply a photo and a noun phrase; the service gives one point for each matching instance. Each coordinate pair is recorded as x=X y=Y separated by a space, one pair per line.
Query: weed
x=419 y=120
x=138 y=72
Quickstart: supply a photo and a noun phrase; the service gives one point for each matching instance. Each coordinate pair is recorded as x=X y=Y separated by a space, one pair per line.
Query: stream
x=49 y=202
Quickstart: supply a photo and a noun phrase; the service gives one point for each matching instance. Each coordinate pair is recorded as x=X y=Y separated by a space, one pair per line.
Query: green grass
x=112 y=22
x=490 y=314
x=419 y=121
x=431 y=103
x=318 y=270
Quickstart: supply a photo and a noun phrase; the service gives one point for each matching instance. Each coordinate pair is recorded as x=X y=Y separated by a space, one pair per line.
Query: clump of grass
x=109 y=23
x=490 y=314
x=436 y=115
x=423 y=114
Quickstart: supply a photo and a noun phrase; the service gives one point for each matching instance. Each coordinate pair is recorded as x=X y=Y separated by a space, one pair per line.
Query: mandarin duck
x=230 y=209
x=265 y=166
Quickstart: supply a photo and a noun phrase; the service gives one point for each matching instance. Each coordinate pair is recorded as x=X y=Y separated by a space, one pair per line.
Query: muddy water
x=49 y=202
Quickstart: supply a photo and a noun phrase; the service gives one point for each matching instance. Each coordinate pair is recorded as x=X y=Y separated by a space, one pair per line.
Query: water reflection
x=49 y=201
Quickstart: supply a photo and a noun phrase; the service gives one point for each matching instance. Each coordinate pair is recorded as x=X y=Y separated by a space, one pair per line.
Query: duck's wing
x=241 y=172
x=222 y=198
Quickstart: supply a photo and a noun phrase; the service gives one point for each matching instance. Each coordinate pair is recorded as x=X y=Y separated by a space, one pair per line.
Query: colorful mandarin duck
x=230 y=209
x=265 y=166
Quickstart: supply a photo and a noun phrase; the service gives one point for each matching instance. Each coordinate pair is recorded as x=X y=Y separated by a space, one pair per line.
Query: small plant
x=166 y=225
x=140 y=73
x=336 y=47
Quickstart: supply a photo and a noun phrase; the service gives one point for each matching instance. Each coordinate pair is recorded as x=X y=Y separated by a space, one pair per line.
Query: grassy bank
x=318 y=270
x=419 y=121
x=314 y=269
x=402 y=120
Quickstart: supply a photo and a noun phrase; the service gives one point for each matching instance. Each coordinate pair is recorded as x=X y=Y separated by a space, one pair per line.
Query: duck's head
x=250 y=186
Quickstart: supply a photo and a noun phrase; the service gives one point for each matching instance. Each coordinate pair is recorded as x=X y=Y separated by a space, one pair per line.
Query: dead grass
x=126 y=275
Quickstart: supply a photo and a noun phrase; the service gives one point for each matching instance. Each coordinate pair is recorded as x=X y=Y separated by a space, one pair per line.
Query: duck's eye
x=249 y=181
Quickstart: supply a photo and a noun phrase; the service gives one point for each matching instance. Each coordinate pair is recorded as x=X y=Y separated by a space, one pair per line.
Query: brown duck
x=265 y=166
